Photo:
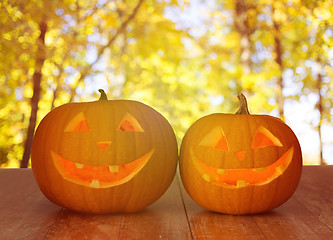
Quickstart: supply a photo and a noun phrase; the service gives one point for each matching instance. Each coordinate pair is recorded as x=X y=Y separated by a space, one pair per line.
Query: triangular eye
x=263 y=137
x=222 y=144
x=78 y=124
x=129 y=124
x=215 y=139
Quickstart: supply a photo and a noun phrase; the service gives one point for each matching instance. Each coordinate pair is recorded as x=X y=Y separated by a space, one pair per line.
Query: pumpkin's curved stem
x=103 y=95
x=243 y=109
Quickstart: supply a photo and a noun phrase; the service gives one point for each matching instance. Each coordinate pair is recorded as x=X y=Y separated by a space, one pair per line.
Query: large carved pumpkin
x=104 y=156
x=240 y=163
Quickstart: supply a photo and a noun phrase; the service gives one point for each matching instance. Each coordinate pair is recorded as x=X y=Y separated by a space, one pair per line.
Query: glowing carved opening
x=130 y=124
x=77 y=124
x=215 y=139
x=99 y=176
x=104 y=145
x=240 y=155
x=236 y=178
x=263 y=137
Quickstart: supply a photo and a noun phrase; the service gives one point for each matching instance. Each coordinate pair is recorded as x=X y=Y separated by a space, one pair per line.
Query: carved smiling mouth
x=238 y=178
x=99 y=176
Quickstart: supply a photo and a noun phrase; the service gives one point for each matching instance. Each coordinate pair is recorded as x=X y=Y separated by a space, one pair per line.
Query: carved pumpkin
x=104 y=156
x=240 y=163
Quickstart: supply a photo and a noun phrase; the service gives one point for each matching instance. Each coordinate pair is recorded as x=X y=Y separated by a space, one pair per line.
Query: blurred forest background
x=184 y=58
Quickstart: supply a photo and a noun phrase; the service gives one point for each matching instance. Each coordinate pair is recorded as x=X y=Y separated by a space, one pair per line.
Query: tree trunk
x=278 y=60
x=243 y=28
x=36 y=78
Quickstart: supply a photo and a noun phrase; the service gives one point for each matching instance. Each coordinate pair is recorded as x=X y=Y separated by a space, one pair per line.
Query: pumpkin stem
x=103 y=95
x=243 y=109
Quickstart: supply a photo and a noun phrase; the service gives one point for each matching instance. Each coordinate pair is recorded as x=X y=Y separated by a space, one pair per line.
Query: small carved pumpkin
x=104 y=156
x=240 y=163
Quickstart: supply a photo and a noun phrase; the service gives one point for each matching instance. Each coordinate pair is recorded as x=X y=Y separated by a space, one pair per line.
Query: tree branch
x=122 y=27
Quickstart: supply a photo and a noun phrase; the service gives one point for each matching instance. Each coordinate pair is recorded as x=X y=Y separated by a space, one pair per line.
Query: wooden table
x=26 y=214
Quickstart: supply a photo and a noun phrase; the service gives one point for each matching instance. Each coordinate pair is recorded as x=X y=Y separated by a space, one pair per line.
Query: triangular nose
x=104 y=145
x=240 y=155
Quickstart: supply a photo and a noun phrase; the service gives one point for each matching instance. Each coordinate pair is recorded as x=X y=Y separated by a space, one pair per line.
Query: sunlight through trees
x=184 y=58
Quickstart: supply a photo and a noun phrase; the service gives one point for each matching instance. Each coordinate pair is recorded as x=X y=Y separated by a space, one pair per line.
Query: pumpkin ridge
x=130 y=192
x=267 y=176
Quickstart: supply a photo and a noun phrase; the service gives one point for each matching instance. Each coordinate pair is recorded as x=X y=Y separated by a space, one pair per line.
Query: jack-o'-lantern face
x=240 y=174
x=240 y=163
x=104 y=156
x=100 y=176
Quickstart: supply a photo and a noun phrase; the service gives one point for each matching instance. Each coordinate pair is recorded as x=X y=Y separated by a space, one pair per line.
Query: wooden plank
x=24 y=211
x=26 y=214
x=292 y=221
x=209 y=225
x=165 y=219
x=74 y=225
x=316 y=192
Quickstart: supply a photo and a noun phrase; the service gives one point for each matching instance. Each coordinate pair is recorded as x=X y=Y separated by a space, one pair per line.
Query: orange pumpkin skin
x=104 y=156
x=240 y=163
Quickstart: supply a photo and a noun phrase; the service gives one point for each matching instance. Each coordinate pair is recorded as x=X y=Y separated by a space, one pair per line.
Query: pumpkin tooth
x=78 y=165
x=95 y=183
x=221 y=171
x=114 y=168
x=206 y=177
x=241 y=183
x=280 y=169
x=261 y=169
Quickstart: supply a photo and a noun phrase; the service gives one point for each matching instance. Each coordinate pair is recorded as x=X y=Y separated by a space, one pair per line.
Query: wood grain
x=24 y=211
x=316 y=193
x=209 y=225
x=292 y=221
x=165 y=219
x=307 y=215
x=73 y=225
x=26 y=214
